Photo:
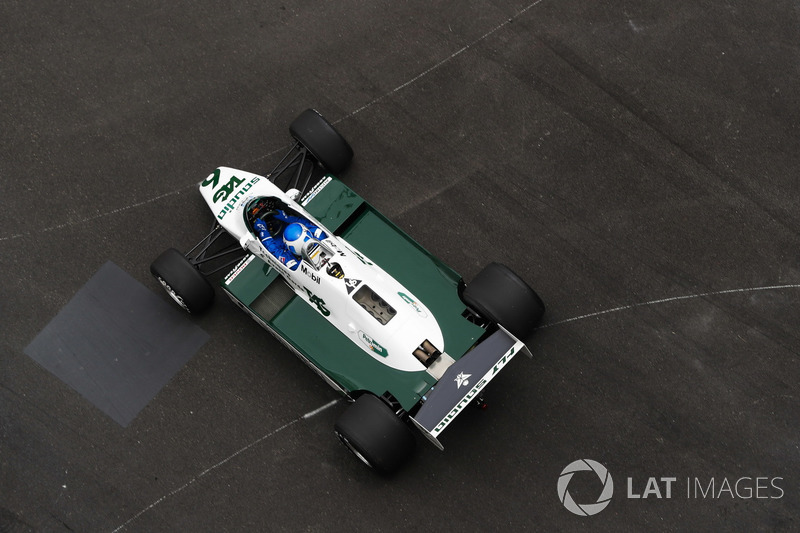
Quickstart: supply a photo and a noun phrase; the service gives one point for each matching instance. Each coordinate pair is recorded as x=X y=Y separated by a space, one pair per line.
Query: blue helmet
x=295 y=235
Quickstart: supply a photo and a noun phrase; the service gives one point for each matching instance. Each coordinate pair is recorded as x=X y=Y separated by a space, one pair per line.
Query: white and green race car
x=378 y=317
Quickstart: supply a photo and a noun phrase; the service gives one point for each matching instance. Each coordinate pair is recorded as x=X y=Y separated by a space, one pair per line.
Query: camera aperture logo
x=747 y=487
x=585 y=509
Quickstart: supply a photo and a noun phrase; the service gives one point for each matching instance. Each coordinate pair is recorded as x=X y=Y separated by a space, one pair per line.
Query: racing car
x=379 y=318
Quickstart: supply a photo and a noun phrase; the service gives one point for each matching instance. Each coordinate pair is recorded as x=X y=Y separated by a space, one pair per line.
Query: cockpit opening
x=290 y=237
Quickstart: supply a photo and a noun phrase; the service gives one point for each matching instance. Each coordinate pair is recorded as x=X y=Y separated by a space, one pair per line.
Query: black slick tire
x=323 y=141
x=375 y=435
x=497 y=294
x=182 y=281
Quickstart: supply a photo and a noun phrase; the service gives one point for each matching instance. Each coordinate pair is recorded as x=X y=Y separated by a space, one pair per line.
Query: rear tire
x=375 y=435
x=182 y=281
x=499 y=295
x=323 y=141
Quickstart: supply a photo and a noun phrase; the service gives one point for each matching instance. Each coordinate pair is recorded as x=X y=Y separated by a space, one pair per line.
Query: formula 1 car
x=379 y=318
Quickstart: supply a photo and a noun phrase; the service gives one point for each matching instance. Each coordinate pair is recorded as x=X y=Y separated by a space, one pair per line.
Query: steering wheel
x=274 y=226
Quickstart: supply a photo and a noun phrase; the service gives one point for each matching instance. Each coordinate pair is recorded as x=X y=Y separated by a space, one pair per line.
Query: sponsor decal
x=314 y=191
x=308 y=272
x=462 y=379
x=351 y=284
x=459 y=406
x=335 y=270
x=359 y=256
x=238 y=269
x=231 y=205
x=373 y=344
x=318 y=302
x=222 y=193
x=335 y=247
x=465 y=401
x=413 y=303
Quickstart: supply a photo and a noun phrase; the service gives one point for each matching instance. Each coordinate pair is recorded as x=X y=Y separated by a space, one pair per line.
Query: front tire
x=182 y=281
x=497 y=294
x=375 y=435
x=323 y=141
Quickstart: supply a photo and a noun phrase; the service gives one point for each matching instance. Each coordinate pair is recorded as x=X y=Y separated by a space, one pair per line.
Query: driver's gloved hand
x=261 y=227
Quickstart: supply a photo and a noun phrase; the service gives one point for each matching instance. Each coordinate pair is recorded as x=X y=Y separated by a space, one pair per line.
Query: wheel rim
x=174 y=295
x=353 y=450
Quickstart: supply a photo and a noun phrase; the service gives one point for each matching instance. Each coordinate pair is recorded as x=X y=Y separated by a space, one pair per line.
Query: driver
x=287 y=249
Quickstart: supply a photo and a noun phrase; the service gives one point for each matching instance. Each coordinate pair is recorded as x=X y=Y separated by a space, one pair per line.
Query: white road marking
x=320 y=409
x=314 y=412
x=666 y=300
x=443 y=61
x=224 y=461
x=330 y=404
x=360 y=109
x=99 y=215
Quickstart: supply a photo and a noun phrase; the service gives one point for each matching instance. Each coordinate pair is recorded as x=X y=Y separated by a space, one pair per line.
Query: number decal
x=212 y=180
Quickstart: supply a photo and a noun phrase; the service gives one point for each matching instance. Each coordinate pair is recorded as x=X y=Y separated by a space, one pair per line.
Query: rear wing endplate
x=462 y=382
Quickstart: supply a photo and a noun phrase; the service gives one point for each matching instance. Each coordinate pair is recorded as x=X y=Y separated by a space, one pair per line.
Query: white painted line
x=442 y=62
x=224 y=461
x=666 y=300
x=320 y=409
x=95 y=217
x=360 y=109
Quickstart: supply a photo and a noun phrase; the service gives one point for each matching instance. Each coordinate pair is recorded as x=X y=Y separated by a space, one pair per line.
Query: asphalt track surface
x=636 y=162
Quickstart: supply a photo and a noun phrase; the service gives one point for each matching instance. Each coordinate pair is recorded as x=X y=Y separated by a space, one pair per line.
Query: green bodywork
x=258 y=289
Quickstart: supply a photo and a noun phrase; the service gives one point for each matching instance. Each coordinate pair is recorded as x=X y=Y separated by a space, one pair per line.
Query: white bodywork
x=227 y=192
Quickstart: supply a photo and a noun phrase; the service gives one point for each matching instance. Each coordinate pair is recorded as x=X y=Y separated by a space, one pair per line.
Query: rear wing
x=462 y=382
